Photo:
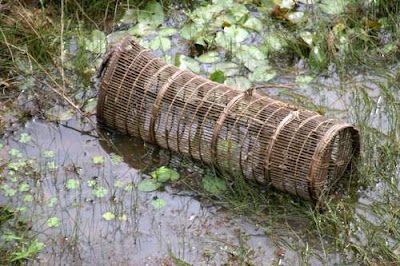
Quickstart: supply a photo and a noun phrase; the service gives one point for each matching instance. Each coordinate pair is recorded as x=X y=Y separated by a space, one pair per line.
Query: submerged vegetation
x=339 y=58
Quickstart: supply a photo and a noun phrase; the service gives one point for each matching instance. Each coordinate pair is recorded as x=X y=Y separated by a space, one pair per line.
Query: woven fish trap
x=240 y=132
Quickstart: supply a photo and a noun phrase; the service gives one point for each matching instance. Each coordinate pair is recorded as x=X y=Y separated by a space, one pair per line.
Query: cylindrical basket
x=294 y=150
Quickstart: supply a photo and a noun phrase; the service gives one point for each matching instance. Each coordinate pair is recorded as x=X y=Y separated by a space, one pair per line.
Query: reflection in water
x=137 y=233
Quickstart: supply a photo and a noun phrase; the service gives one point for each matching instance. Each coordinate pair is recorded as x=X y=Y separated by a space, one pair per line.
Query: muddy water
x=139 y=234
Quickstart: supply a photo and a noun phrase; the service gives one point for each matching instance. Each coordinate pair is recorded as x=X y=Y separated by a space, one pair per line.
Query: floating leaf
x=238 y=11
x=52 y=202
x=15 y=166
x=98 y=159
x=188 y=63
x=49 y=154
x=163 y=174
x=123 y=217
x=96 y=43
x=218 y=76
x=27 y=198
x=209 y=57
x=130 y=16
x=148 y=185
x=287 y=4
x=24 y=138
x=99 y=191
x=108 y=216
x=231 y=37
x=167 y=32
x=91 y=183
x=72 y=184
x=9 y=192
x=116 y=159
x=253 y=23
x=213 y=185
x=239 y=82
x=308 y=37
x=118 y=184
x=52 y=166
x=160 y=42
x=262 y=74
x=295 y=17
x=190 y=31
x=274 y=42
x=229 y=68
x=251 y=57
x=14 y=152
x=140 y=29
x=304 y=79
x=159 y=203
x=23 y=187
x=53 y=222
x=90 y=106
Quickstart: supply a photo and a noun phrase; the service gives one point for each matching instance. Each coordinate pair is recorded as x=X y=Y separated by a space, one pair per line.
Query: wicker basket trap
x=297 y=151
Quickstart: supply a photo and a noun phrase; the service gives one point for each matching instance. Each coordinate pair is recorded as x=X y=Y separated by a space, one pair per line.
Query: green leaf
x=129 y=187
x=116 y=159
x=98 y=159
x=262 y=74
x=91 y=183
x=209 y=57
x=296 y=17
x=160 y=42
x=304 y=79
x=24 y=138
x=231 y=37
x=218 y=76
x=27 y=198
x=90 y=106
x=123 y=217
x=274 y=42
x=23 y=187
x=49 y=154
x=287 y=4
x=190 y=31
x=253 y=23
x=152 y=14
x=130 y=16
x=1 y=146
x=159 y=203
x=251 y=57
x=32 y=249
x=239 y=82
x=52 y=166
x=118 y=184
x=99 y=191
x=53 y=222
x=15 y=153
x=15 y=166
x=72 y=184
x=52 y=202
x=140 y=29
x=308 y=37
x=148 y=185
x=317 y=59
x=163 y=174
x=333 y=7
x=213 y=185
x=108 y=216
x=9 y=192
x=238 y=11
x=163 y=32
x=96 y=43
x=229 y=68
x=188 y=63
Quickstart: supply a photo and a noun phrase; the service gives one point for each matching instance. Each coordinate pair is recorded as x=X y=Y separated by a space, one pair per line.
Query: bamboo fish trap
x=294 y=150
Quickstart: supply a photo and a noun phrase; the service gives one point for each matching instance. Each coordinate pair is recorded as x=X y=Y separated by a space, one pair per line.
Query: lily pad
x=108 y=216
x=116 y=159
x=209 y=57
x=188 y=63
x=218 y=76
x=162 y=43
x=152 y=14
x=253 y=23
x=72 y=184
x=239 y=82
x=163 y=174
x=163 y=32
x=98 y=159
x=148 y=185
x=53 y=222
x=190 y=31
x=229 y=68
x=90 y=106
x=262 y=74
x=159 y=203
x=24 y=138
x=213 y=185
x=96 y=43
x=308 y=37
x=99 y=191
x=251 y=57
x=231 y=37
